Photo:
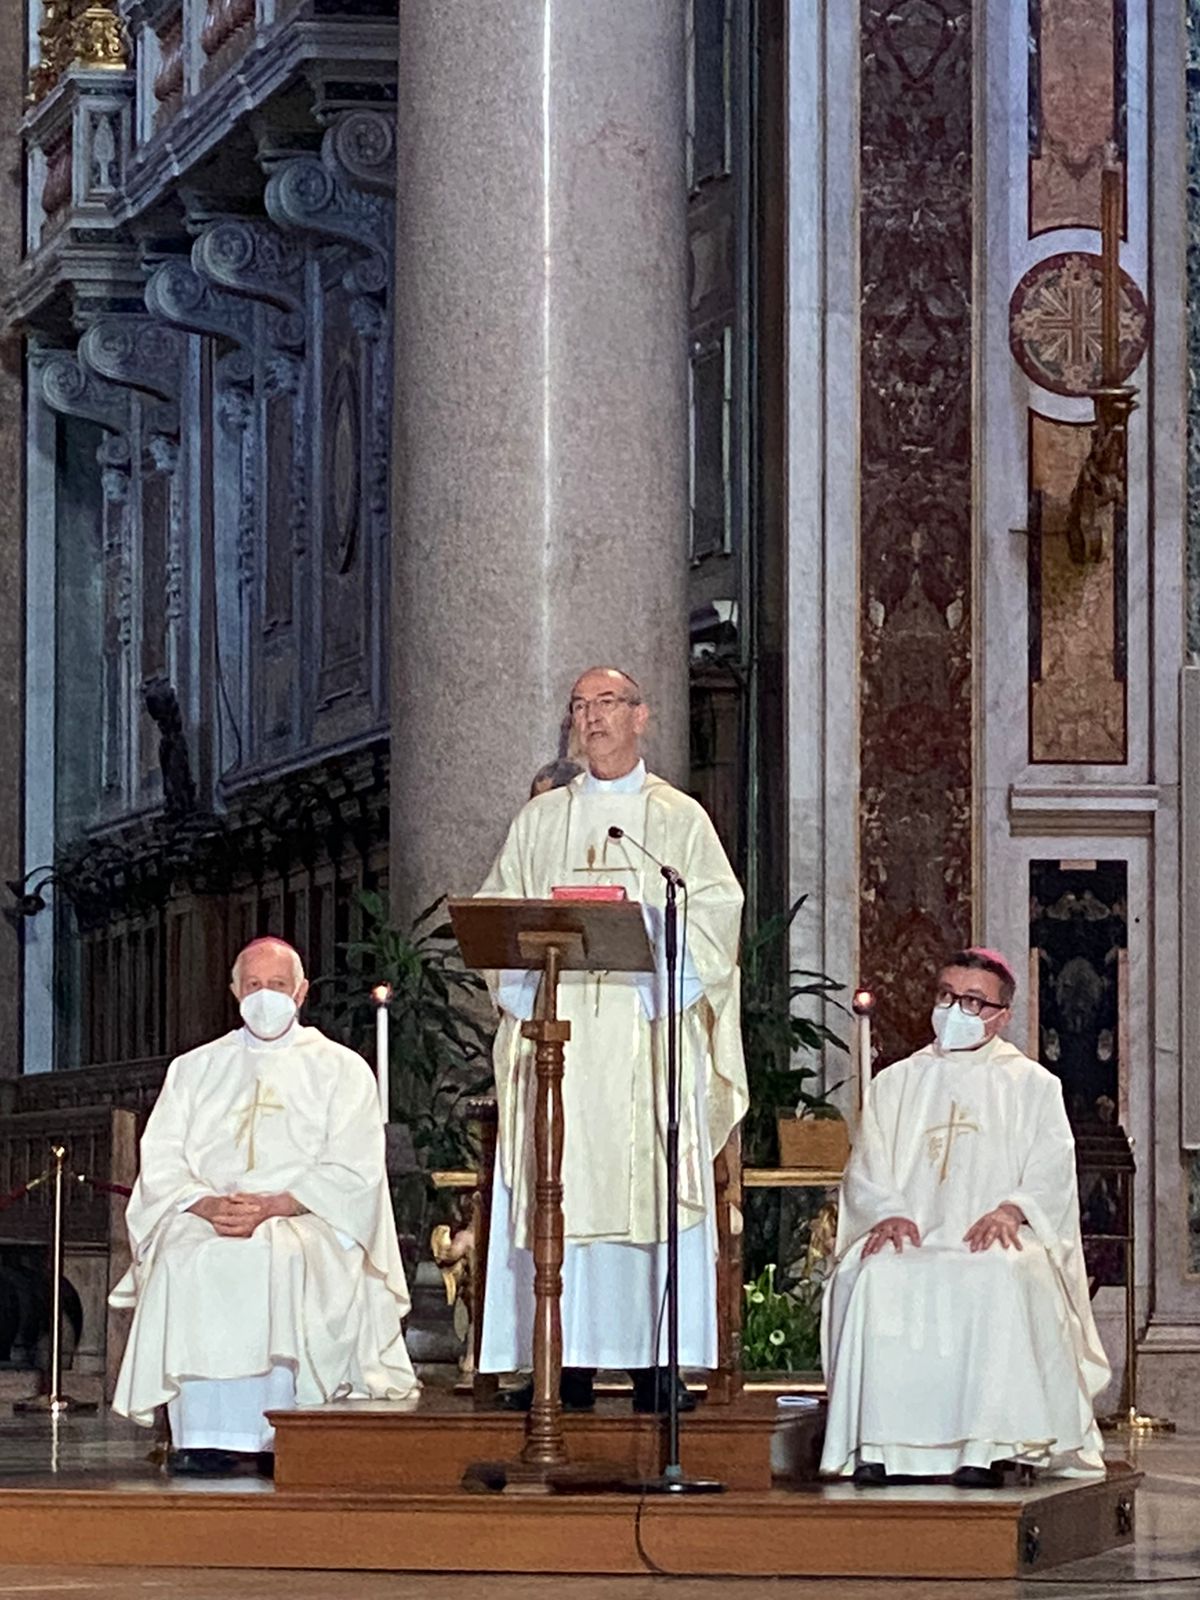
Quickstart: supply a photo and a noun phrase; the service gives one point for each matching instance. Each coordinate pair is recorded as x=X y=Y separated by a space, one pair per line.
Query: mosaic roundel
x=1054 y=324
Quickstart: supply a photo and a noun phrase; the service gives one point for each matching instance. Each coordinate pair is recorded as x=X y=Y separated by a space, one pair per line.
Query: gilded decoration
x=76 y=33
x=1076 y=107
x=916 y=244
x=1055 y=324
x=1077 y=667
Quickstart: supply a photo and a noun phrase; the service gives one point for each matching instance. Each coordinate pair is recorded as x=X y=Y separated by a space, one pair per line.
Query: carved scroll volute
x=178 y=294
x=76 y=391
x=252 y=258
x=138 y=352
x=307 y=193
x=362 y=144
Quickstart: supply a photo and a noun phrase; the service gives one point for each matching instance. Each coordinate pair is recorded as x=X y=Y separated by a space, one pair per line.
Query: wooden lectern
x=552 y=936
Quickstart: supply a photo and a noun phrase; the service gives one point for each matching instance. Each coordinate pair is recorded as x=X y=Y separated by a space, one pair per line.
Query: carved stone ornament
x=343 y=471
x=163 y=452
x=77 y=391
x=113 y=459
x=139 y=352
x=366 y=315
x=305 y=193
x=179 y=294
x=104 y=152
x=282 y=375
x=252 y=258
x=362 y=144
x=235 y=392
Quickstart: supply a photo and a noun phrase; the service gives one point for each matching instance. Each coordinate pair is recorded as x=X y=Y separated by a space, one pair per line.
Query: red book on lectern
x=588 y=891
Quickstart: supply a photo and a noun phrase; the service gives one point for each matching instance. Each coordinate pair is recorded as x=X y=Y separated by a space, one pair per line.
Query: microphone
x=669 y=873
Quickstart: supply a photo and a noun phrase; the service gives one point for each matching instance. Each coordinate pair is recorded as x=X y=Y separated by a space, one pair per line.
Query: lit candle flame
x=863 y=1002
x=381 y=993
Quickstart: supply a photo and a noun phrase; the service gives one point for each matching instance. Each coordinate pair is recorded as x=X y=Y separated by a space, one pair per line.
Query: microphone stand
x=672 y=1480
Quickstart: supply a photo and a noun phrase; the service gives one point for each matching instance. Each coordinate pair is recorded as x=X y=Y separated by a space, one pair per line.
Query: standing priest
x=265 y=1271
x=614 y=1087
x=958 y=1331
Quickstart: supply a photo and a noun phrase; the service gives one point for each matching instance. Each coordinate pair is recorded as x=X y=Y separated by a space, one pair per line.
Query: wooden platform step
x=360 y=1445
x=819 y=1532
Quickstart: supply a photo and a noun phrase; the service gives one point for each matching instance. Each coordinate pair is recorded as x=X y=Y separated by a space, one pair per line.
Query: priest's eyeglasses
x=973 y=1004
x=604 y=703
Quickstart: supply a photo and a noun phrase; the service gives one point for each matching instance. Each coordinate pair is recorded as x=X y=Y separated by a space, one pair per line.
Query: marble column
x=12 y=511
x=541 y=402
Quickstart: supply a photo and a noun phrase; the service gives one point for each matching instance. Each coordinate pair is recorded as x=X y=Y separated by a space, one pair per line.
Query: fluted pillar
x=541 y=402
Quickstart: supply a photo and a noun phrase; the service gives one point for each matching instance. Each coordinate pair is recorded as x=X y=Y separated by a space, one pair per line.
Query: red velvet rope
x=22 y=1190
x=103 y=1188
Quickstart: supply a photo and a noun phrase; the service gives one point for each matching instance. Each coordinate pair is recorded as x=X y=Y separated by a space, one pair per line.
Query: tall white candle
x=381 y=995
x=863 y=1004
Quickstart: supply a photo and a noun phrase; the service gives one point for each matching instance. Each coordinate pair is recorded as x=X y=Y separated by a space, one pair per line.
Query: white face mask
x=955 y=1030
x=267 y=1013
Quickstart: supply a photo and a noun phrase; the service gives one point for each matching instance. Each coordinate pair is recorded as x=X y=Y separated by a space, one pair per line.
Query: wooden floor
x=107 y=1508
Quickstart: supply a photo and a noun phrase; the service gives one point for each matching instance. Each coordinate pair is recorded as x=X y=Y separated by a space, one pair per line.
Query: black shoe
x=651 y=1395
x=977 y=1478
x=201 y=1463
x=869 y=1475
x=576 y=1390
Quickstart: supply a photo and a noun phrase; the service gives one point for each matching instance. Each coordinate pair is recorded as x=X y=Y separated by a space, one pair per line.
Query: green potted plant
x=781 y=1329
x=791 y=1121
x=440 y=1055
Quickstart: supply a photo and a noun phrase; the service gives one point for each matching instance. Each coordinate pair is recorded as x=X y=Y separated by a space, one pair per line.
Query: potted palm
x=792 y=1121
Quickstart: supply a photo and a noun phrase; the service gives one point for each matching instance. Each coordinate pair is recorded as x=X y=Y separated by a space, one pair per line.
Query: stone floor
x=1164 y=1563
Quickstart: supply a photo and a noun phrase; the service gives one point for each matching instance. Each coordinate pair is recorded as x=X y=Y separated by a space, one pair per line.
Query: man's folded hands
x=236 y=1216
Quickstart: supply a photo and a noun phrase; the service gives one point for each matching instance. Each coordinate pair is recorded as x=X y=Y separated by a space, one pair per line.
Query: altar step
x=429 y=1448
x=821 y=1531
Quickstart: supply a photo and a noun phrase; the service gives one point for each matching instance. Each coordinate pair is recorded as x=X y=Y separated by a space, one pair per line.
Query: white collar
x=251 y=1041
x=631 y=783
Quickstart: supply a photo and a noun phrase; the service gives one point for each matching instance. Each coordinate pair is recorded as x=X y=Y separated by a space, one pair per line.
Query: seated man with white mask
x=957 y=1330
x=266 y=1272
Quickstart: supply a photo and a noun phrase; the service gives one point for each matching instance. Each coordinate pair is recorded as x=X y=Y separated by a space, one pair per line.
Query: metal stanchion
x=55 y=1403
x=1127 y=1418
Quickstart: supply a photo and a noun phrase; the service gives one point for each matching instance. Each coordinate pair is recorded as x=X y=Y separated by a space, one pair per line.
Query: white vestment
x=938 y=1358
x=614 y=1085
x=308 y=1308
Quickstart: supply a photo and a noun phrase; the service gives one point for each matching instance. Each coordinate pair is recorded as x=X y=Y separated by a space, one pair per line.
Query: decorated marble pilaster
x=916 y=245
x=540 y=461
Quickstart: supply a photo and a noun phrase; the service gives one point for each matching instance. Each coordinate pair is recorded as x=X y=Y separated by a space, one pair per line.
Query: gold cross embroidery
x=265 y=1102
x=941 y=1139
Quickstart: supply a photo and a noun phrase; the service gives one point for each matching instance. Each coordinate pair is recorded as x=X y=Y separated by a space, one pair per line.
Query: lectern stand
x=551 y=936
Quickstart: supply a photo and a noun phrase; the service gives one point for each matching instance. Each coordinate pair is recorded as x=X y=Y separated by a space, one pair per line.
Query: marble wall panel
x=1193 y=450
x=1193 y=324
x=915 y=502
x=1077 y=625
x=1076 y=107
